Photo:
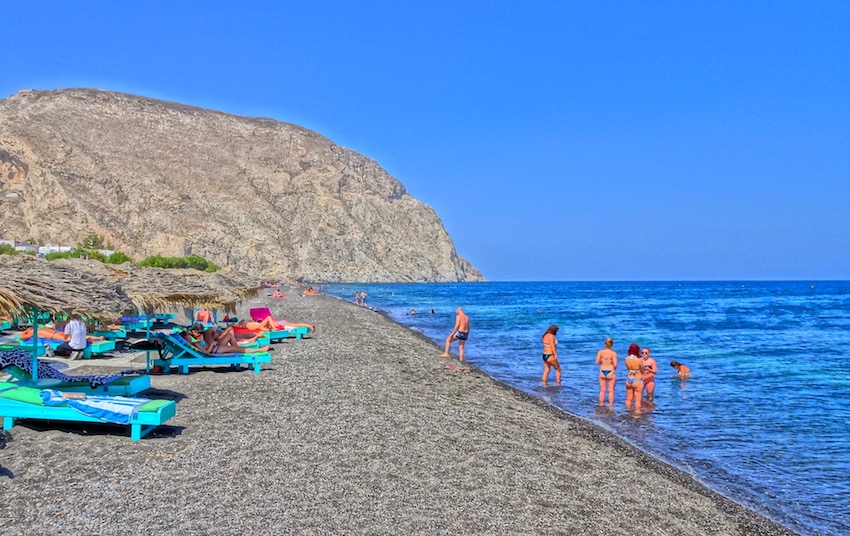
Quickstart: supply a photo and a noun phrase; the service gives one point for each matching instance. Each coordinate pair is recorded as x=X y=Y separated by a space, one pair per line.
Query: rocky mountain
x=253 y=194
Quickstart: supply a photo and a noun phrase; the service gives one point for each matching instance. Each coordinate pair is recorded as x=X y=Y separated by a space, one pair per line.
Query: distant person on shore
x=460 y=333
x=278 y=294
x=363 y=298
x=607 y=361
x=550 y=355
x=634 y=380
x=310 y=292
x=683 y=372
x=357 y=297
x=650 y=369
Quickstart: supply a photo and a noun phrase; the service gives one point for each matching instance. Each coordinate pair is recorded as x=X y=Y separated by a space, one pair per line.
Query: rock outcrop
x=253 y=194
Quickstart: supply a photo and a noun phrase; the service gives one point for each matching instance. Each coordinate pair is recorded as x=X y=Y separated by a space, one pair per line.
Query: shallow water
x=763 y=420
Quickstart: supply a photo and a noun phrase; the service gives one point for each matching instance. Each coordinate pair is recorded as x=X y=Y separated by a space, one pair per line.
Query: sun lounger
x=92 y=348
x=141 y=415
x=291 y=333
x=136 y=323
x=18 y=364
x=176 y=352
x=5 y=324
x=258 y=314
x=111 y=334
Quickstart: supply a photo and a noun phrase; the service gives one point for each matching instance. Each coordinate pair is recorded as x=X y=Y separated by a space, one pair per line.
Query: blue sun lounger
x=176 y=352
x=280 y=334
x=141 y=415
x=92 y=348
x=18 y=364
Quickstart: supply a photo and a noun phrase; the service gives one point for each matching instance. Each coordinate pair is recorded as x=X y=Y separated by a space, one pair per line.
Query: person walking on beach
x=607 y=361
x=650 y=369
x=460 y=333
x=634 y=380
x=550 y=355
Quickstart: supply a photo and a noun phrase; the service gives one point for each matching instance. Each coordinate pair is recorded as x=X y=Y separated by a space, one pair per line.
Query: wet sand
x=359 y=429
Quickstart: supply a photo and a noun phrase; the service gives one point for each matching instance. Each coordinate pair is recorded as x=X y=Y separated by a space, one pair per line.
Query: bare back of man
x=460 y=333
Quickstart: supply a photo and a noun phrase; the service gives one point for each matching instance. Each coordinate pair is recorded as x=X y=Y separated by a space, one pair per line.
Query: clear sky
x=562 y=140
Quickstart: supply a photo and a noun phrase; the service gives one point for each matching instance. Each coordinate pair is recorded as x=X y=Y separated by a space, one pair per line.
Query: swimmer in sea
x=683 y=372
x=634 y=380
x=650 y=369
x=550 y=355
x=607 y=361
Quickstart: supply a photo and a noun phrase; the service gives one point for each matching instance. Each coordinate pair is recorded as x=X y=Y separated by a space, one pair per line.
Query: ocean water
x=764 y=420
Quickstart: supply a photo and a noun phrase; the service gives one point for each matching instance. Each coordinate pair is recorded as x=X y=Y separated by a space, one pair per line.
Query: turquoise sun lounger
x=176 y=352
x=92 y=348
x=18 y=364
x=18 y=402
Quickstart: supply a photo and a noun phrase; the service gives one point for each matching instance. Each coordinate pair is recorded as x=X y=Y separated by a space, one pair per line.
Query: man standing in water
x=459 y=333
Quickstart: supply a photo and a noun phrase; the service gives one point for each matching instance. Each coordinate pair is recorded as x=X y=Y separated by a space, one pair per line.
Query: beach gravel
x=360 y=429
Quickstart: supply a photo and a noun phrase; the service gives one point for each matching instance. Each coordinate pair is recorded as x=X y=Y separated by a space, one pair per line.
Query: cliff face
x=254 y=194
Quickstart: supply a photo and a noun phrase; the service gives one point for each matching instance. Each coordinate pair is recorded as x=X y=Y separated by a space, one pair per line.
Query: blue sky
x=568 y=140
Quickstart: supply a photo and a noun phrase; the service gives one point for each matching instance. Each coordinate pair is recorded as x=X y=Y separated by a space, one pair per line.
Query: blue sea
x=765 y=418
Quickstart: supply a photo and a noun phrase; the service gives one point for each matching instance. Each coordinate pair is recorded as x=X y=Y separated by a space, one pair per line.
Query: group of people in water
x=641 y=369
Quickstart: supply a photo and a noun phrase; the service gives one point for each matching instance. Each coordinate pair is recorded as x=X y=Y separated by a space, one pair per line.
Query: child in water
x=684 y=372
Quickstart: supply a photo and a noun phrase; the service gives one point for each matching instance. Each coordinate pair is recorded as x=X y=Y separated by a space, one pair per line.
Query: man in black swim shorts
x=460 y=333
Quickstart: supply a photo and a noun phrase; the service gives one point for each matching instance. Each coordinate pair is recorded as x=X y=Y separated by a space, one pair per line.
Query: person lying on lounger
x=213 y=337
x=55 y=335
x=224 y=347
x=270 y=324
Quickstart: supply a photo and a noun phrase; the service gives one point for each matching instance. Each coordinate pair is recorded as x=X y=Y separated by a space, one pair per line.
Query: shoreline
x=595 y=432
x=359 y=429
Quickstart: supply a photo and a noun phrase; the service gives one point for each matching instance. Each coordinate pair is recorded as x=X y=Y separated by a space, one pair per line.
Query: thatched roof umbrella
x=235 y=283
x=157 y=289
x=29 y=285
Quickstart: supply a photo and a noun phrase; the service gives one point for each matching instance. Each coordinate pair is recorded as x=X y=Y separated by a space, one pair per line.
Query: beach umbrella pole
x=34 y=322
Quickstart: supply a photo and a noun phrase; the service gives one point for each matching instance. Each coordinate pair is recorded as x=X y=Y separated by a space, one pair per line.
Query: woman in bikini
x=550 y=355
x=634 y=380
x=607 y=361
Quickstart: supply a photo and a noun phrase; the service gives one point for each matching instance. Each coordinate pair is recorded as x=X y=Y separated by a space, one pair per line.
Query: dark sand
x=359 y=430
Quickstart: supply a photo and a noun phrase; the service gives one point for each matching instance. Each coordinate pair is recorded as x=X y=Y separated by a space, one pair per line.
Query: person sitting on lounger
x=204 y=316
x=214 y=337
x=221 y=348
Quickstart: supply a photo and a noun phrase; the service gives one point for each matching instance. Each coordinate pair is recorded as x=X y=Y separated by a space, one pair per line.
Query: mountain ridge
x=254 y=194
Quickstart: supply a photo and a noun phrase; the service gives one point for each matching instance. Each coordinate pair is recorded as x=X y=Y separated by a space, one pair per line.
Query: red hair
x=634 y=349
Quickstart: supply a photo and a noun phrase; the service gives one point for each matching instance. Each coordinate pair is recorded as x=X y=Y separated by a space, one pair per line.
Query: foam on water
x=764 y=418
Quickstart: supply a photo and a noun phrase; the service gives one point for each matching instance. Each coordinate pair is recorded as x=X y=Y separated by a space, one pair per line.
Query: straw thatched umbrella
x=29 y=286
x=157 y=289
x=27 y=283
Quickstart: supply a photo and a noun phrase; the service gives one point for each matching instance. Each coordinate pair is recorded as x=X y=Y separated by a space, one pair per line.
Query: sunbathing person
x=221 y=349
x=55 y=335
x=270 y=324
x=212 y=337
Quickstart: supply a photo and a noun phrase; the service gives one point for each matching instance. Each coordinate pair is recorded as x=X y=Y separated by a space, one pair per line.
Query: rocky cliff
x=254 y=194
